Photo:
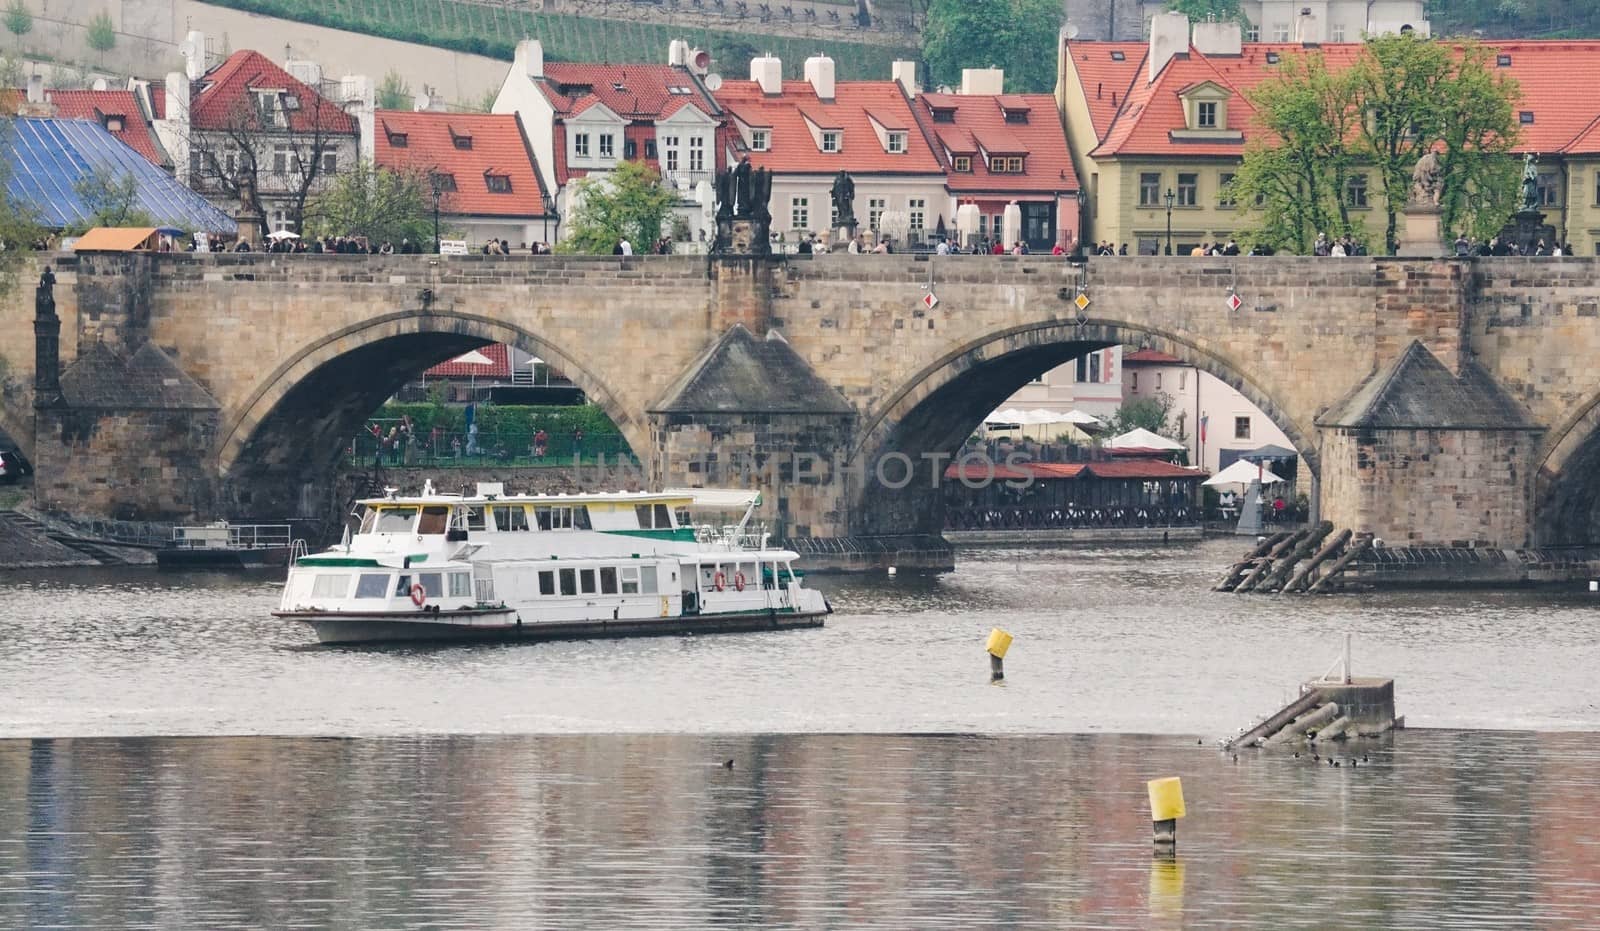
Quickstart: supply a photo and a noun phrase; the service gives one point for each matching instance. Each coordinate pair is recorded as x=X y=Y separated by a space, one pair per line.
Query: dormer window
x=760 y=140
x=1502 y=61
x=897 y=142
x=461 y=140
x=1118 y=56
x=399 y=140
x=944 y=115
x=1016 y=116
x=830 y=140
x=1272 y=57
x=498 y=184
x=267 y=107
x=580 y=145
x=114 y=123
x=608 y=145
x=1005 y=164
x=961 y=163
x=443 y=181
x=1206 y=114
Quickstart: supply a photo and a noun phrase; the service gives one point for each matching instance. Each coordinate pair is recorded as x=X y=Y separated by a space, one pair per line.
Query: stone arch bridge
x=1448 y=401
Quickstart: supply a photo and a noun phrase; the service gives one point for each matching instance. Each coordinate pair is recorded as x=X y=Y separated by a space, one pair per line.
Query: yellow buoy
x=999 y=643
x=1166 y=798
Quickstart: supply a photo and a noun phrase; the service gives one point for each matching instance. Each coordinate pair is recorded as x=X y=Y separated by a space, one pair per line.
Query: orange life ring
x=738 y=581
x=419 y=595
x=720 y=580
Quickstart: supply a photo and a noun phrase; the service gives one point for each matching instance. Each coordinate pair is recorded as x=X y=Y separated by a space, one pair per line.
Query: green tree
x=1153 y=413
x=1421 y=95
x=112 y=198
x=630 y=202
x=394 y=93
x=102 y=33
x=381 y=204
x=1297 y=168
x=1017 y=35
x=19 y=22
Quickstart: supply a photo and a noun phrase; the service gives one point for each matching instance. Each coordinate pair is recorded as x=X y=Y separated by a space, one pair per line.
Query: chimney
x=983 y=81
x=905 y=75
x=767 y=71
x=1218 y=38
x=1169 y=37
x=36 y=88
x=305 y=71
x=678 y=53
x=529 y=58
x=819 y=73
x=1308 y=27
x=193 y=50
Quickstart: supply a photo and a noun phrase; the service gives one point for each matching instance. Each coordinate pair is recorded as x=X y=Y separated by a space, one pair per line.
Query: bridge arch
x=323 y=392
x=1566 y=481
x=937 y=408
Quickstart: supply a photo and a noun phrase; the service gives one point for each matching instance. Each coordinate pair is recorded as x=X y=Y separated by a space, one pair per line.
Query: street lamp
x=1083 y=217
x=1170 y=198
x=433 y=180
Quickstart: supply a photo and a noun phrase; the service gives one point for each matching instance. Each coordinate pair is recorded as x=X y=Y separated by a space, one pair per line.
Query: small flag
x=1204 y=419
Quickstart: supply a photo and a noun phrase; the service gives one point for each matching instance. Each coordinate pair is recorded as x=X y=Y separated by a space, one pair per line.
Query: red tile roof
x=980 y=129
x=499 y=366
x=794 y=150
x=1145 y=469
x=226 y=90
x=633 y=92
x=498 y=146
x=1142 y=121
x=97 y=105
x=1150 y=357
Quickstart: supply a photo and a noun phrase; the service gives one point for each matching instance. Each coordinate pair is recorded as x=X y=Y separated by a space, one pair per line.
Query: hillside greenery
x=1505 y=19
x=493 y=30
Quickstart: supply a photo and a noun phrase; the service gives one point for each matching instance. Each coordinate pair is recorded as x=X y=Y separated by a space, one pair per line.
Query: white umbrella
x=1242 y=473
x=1078 y=417
x=1008 y=415
x=1140 y=438
x=473 y=358
x=282 y=234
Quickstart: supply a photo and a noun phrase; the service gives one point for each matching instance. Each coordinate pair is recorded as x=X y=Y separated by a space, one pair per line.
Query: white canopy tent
x=1140 y=438
x=1243 y=473
x=1012 y=416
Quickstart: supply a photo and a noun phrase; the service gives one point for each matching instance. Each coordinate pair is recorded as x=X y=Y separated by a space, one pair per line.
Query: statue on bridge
x=1427 y=183
x=742 y=195
x=1530 y=183
x=844 y=196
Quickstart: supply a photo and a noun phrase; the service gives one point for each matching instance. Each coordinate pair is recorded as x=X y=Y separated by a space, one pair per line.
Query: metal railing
x=455 y=450
x=232 y=537
x=1048 y=518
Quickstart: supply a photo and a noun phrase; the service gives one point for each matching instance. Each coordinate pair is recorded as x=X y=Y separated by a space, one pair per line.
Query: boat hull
x=486 y=626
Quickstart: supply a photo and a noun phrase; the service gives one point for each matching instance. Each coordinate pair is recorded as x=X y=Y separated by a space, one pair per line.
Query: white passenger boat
x=503 y=566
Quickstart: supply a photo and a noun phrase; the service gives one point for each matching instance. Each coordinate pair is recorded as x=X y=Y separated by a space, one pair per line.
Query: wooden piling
x=1264 y=565
x=1302 y=578
x=1237 y=571
x=1351 y=553
x=1283 y=568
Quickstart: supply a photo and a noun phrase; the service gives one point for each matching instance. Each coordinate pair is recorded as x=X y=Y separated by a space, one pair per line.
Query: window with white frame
x=608 y=145
x=282 y=157
x=897 y=142
x=760 y=140
x=1206 y=114
x=330 y=161
x=800 y=213
x=697 y=153
x=1355 y=191
x=830 y=140
x=1338 y=32
x=916 y=212
x=669 y=149
x=962 y=163
x=580 y=145
x=875 y=208
x=1252 y=34
x=1280 y=32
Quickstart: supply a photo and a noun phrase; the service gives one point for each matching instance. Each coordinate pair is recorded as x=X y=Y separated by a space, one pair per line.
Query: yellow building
x=1157 y=128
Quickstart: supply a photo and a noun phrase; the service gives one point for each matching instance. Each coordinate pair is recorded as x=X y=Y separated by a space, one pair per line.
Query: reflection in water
x=1438 y=829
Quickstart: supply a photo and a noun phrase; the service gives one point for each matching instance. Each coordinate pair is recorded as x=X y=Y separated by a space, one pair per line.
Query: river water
x=878 y=779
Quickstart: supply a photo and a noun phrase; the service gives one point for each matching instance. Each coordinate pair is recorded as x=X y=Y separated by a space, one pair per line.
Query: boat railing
x=225 y=536
x=731 y=538
x=483 y=589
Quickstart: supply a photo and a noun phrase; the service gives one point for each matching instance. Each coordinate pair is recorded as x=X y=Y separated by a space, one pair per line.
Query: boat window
x=663 y=517
x=402 y=586
x=580 y=517
x=434 y=520
x=396 y=520
x=475 y=519
x=368 y=521
x=630 y=581
x=569 y=581
x=331 y=585
x=432 y=583
x=647 y=580
x=372 y=585
x=586 y=581
x=460 y=584
x=553 y=518
x=608 y=581
x=643 y=513
x=510 y=517
x=682 y=515
x=547 y=582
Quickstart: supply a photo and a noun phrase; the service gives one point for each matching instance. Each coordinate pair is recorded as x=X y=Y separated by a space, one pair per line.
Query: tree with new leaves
x=1199 y=11
x=381 y=204
x=19 y=21
x=112 y=198
x=394 y=93
x=1298 y=165
x=630 y=202
x=1017 y=35
x=102 y=33
x=1404 y=96
x=1154 y=413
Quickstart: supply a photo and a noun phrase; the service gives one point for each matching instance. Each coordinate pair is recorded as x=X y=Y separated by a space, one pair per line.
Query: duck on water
x=493 y=566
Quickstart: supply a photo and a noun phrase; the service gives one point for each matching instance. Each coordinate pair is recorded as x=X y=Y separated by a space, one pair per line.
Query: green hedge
x=509 y=419
x=482 y=29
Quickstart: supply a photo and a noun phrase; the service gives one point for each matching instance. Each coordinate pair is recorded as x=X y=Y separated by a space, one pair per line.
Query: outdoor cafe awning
x=117 y=239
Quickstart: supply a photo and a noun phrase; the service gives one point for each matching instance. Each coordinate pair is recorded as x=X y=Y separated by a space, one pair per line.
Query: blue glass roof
x=48 y=156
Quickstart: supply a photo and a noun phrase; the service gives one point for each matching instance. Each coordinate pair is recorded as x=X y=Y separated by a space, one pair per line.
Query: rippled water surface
x=1437 y=829
x=1121 y=640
